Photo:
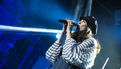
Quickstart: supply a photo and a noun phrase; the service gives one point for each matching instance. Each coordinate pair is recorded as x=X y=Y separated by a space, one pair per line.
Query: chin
x=81 y=29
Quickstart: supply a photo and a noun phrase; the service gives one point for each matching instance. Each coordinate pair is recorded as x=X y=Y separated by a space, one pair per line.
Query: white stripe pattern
x=53 y=52
x=82 y=54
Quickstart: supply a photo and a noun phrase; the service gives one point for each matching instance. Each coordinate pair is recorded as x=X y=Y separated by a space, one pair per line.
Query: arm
x=76 y=54
x=54 y=51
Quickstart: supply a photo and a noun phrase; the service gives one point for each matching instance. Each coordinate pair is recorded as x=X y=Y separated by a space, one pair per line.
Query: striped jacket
x=81 y=54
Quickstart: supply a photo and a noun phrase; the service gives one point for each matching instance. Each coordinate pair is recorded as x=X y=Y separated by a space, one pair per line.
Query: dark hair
x=79 y=36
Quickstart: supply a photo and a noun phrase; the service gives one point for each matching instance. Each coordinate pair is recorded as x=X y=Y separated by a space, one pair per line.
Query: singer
x=80 y=47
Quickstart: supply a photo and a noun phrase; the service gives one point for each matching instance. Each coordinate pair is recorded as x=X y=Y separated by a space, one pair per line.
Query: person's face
x=82 y=25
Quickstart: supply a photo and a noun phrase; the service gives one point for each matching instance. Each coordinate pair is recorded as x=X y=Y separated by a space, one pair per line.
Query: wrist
x=62 y=34
x=68 y=31
x=68 y=37
x=58 y=41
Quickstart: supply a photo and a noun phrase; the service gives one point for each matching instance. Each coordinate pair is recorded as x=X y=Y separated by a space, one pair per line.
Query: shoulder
x=90 y=41
x=93 y=40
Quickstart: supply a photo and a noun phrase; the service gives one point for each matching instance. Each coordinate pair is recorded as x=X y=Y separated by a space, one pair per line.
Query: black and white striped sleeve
x=53 y=52
x=73 y=52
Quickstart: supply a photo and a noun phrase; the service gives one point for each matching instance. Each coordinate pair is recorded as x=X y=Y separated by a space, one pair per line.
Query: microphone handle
x=65 y=22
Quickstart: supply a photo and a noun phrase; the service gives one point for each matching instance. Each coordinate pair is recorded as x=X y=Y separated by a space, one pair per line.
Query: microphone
x=65 y=22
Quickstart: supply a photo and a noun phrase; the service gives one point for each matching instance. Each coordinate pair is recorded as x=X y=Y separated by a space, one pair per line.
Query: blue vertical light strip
x=117 y=24
x=117 y=18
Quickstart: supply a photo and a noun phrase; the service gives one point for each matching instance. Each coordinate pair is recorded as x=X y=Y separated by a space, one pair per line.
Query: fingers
x=69 y=18
x=66 y=26
x=68 y=21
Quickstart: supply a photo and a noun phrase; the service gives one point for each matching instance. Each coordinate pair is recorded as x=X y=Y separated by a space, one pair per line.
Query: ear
x=88 y=30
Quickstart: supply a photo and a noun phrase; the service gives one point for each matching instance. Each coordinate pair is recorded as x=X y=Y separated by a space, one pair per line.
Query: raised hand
x=69 y=28
x=69 y=25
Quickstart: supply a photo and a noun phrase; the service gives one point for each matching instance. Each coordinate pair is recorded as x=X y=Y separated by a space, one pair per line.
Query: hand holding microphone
x=65 y=22
x=70 y=24
x=67 y=27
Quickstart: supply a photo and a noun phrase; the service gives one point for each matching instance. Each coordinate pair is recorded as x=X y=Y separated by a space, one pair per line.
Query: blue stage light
x=26 y=29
